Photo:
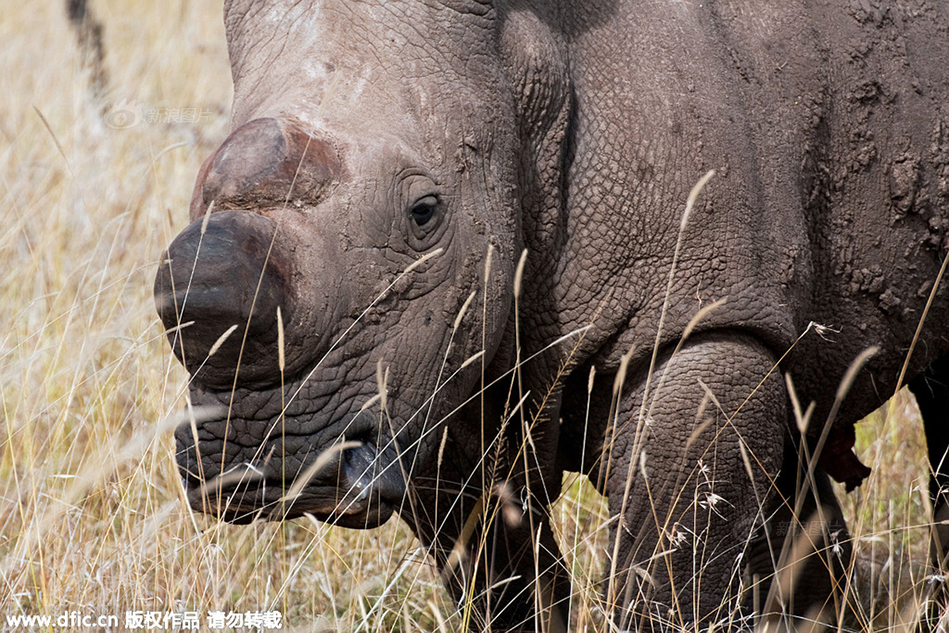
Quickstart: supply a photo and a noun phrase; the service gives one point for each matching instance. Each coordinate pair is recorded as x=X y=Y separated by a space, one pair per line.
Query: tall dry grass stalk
x=92 y=516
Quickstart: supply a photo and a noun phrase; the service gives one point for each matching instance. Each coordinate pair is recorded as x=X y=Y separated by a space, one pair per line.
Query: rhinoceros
x=443 y=256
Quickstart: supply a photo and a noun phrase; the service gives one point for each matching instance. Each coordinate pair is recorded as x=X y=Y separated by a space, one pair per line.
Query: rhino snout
x=225 y=275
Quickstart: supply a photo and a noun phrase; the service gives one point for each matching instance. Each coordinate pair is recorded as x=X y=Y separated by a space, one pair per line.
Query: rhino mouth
x=349 y=484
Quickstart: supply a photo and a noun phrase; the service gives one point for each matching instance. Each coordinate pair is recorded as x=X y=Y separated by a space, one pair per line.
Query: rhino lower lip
x=353 y=508
x=360 y=504
x=352 y=484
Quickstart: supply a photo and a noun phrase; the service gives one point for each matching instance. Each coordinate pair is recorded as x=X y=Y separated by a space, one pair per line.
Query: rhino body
x=389 y=163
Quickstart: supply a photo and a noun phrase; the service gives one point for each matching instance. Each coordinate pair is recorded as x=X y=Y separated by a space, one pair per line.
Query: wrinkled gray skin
x=367 y=135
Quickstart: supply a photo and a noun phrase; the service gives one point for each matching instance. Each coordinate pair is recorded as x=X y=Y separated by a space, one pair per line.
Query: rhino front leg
x=688 y=501
x=815 y=576
x=493 y=543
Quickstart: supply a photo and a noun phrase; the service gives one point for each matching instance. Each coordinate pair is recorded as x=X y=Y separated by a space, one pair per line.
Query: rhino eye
x=424 y=210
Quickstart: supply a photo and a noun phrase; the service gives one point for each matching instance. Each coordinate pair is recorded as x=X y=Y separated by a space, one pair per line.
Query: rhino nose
x=224 y=275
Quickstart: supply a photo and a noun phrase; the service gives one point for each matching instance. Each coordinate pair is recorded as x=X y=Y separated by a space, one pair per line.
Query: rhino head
x=372 y=164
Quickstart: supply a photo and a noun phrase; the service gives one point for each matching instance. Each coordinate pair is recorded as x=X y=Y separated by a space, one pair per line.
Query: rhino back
x=826 y=128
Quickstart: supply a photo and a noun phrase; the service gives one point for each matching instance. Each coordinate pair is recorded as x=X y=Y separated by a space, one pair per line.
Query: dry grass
x=888 y=516
x=92 y=516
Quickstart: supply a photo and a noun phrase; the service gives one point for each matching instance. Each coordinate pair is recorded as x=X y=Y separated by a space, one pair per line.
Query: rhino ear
x=535 y=61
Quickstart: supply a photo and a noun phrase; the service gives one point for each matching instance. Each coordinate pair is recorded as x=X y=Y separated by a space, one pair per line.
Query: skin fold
x=389 y=162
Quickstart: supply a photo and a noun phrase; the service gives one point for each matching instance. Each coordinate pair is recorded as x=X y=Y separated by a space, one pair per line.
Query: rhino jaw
x=352 y=488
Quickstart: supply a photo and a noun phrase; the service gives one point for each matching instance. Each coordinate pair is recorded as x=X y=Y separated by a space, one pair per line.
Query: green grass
x=92 y=516
x=888 y=515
